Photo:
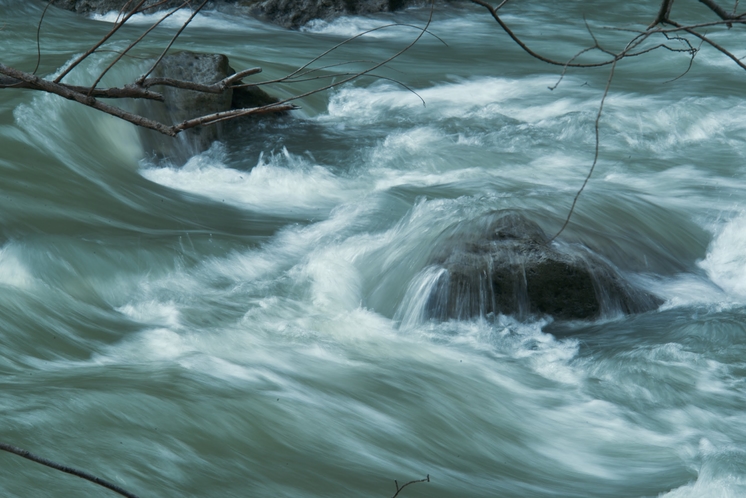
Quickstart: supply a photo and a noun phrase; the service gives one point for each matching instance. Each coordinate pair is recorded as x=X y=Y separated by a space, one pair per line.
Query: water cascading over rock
x=180 y=104
x=513 y=269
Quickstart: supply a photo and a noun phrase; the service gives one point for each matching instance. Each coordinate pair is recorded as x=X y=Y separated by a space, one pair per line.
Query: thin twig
x=705 y=39
x=336 y=75
x=370 y=69
x=132 y=45
x=168 y=47
x=38 y=37
x=564 y=69
x=345 y=42
x=123 y=10
x=103 y=40
x=501 y=5
x=595 y=155
x=525 y=47
x=399 y=489
x=217 y=87
x=64 y=468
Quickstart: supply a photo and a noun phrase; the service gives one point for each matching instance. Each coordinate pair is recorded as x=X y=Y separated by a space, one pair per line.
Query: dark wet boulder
x=513 y=269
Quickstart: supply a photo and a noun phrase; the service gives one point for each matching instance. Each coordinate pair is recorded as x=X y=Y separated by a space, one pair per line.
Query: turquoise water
x=246 y=323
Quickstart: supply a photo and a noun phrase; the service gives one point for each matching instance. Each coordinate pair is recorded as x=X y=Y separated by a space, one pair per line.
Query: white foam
x=205 y=19
x=725 y=263
x=336 y=281
x=686 y=290
x=13 y=272
x=411 y=312
x=478 y=97
x=279 y=184
x=52 y=124
x=152 y=312
x=663 y=126
x=349 y=26
x=714 y=479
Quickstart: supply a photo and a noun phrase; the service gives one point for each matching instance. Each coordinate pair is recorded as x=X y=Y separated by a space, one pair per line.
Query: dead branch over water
x=89 y=96
x=64 y=468
x=663 y=27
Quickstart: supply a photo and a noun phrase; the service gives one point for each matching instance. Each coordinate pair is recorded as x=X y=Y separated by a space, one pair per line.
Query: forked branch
x=662 y=25
x=141 y=88
x=400 y=488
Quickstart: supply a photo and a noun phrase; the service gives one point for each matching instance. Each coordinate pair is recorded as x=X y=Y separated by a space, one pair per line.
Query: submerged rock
x=514 y=270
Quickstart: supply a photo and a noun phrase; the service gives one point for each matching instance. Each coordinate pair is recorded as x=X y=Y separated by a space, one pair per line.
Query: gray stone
x=512 y=269
x=180 y=105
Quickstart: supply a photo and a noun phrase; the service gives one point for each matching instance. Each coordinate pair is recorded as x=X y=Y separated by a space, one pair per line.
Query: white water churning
x=253 y=322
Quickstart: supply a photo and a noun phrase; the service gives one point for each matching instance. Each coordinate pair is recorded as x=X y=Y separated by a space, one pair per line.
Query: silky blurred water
x=246 y=323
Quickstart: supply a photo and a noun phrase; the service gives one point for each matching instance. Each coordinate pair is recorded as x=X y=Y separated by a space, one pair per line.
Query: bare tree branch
x=349 y=40
x=232 y=114
x=423 y=31
x=595 y=155
x=125 y=92
x=140 y=89
x=399 y=489
x=705 y=39
x=122 y=54
x=38 y=36
x=634 y=48
x=170 y=44
x=66 y=92
x=218 y=87
x=526 y=49
x=721 y=12
x=663 y=13
x=103 y=40
x=64 y=468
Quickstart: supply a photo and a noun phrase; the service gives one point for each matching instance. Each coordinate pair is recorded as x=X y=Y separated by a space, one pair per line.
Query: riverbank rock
x=180 y=104
x=512 y=269
x=104 y=6
x=287 y=13
x=295 y=13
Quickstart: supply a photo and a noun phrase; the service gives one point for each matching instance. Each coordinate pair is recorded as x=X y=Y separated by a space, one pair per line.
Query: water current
x=247 y=323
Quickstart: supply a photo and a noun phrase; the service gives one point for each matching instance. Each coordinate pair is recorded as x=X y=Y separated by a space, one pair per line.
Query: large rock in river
x=180 y=105
x=513 y=269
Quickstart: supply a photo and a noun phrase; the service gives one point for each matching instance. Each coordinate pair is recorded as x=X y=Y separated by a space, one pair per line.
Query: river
x=246 y=323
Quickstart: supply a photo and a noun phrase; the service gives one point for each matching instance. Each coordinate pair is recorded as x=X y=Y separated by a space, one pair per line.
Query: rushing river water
x=247 y=323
